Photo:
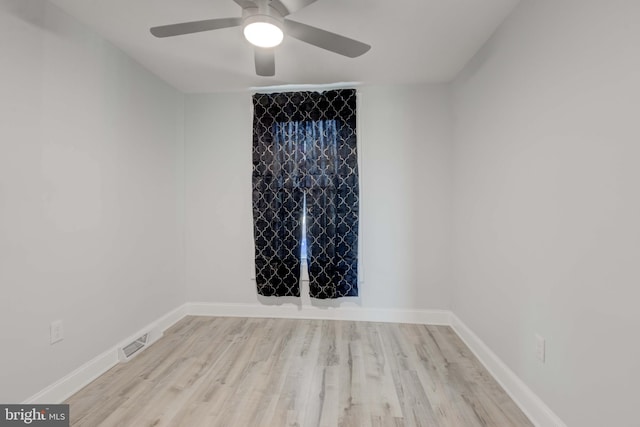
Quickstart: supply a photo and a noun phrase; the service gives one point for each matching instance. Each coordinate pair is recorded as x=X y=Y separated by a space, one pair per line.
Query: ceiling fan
x=264 y=26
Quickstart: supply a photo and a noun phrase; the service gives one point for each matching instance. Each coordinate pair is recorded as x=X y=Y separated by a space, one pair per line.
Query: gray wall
x=90 y=196
x=547 y=206
x=405 y=154
x=539 y=192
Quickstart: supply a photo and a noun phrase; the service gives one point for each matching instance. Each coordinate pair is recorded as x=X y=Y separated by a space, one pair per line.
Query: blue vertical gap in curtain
x=305 y=151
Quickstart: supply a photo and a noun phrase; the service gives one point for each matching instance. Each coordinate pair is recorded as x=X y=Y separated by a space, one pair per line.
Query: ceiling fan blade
x=195 y=27
x=245 y=4
x=290 y=6
x=325 y=39
x=277 y=5
x=265 y=62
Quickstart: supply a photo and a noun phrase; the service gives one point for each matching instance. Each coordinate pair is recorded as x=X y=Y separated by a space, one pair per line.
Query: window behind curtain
x=304 y=135
x=305 y=173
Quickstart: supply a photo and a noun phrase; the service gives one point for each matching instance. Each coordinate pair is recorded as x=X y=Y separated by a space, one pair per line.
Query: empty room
x=309 y=213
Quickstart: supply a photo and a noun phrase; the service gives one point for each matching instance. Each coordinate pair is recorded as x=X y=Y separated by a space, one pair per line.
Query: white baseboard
x=429 y=317
x=533 y=407
x=71 y=383
x=537 y=411
x=65 y=387
x=155 y=329
x=171 y=318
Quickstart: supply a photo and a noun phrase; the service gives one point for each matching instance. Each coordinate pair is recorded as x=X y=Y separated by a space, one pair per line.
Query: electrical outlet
x=57 y=331
x=540 y=348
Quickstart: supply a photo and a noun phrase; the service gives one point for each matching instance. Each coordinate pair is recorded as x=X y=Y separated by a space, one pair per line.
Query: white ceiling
x=412 y=40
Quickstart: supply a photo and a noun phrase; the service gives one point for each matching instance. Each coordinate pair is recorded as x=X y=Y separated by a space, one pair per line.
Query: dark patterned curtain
x=277 y=207
x=304 y=151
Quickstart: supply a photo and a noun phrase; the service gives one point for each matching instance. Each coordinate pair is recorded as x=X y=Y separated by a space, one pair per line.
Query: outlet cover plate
x=56 y=330
x=540 y=348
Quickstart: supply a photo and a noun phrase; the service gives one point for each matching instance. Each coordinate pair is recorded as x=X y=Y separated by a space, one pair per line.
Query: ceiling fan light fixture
x=263 y=23
x=263 y=31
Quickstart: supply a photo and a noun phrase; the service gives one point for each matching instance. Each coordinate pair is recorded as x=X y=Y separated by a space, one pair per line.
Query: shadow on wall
x=33 y=12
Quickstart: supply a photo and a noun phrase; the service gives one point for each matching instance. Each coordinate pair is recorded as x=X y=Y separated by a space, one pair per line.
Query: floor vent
x=129 y=350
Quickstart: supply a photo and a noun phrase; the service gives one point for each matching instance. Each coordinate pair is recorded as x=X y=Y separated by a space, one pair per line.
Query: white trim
x=71 y=383
x=430 y=317
x=66 y=386
x=530 y=403
x=171 y=318
x=533 y=407
x=154 y=329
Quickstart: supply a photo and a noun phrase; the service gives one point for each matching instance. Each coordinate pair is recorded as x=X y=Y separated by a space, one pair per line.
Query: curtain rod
x=305 y=87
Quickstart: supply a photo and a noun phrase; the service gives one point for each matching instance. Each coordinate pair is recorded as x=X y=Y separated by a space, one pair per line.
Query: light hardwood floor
x=244 y=372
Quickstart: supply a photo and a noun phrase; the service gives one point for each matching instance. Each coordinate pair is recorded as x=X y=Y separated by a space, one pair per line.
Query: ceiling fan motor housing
x=262 y=13
x=257 y=17
x=263 y=26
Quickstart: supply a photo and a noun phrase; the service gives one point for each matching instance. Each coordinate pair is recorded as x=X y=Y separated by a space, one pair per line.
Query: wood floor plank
x=416 y=409
x=384 y=400
x=293 y=392
x=228 y=372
